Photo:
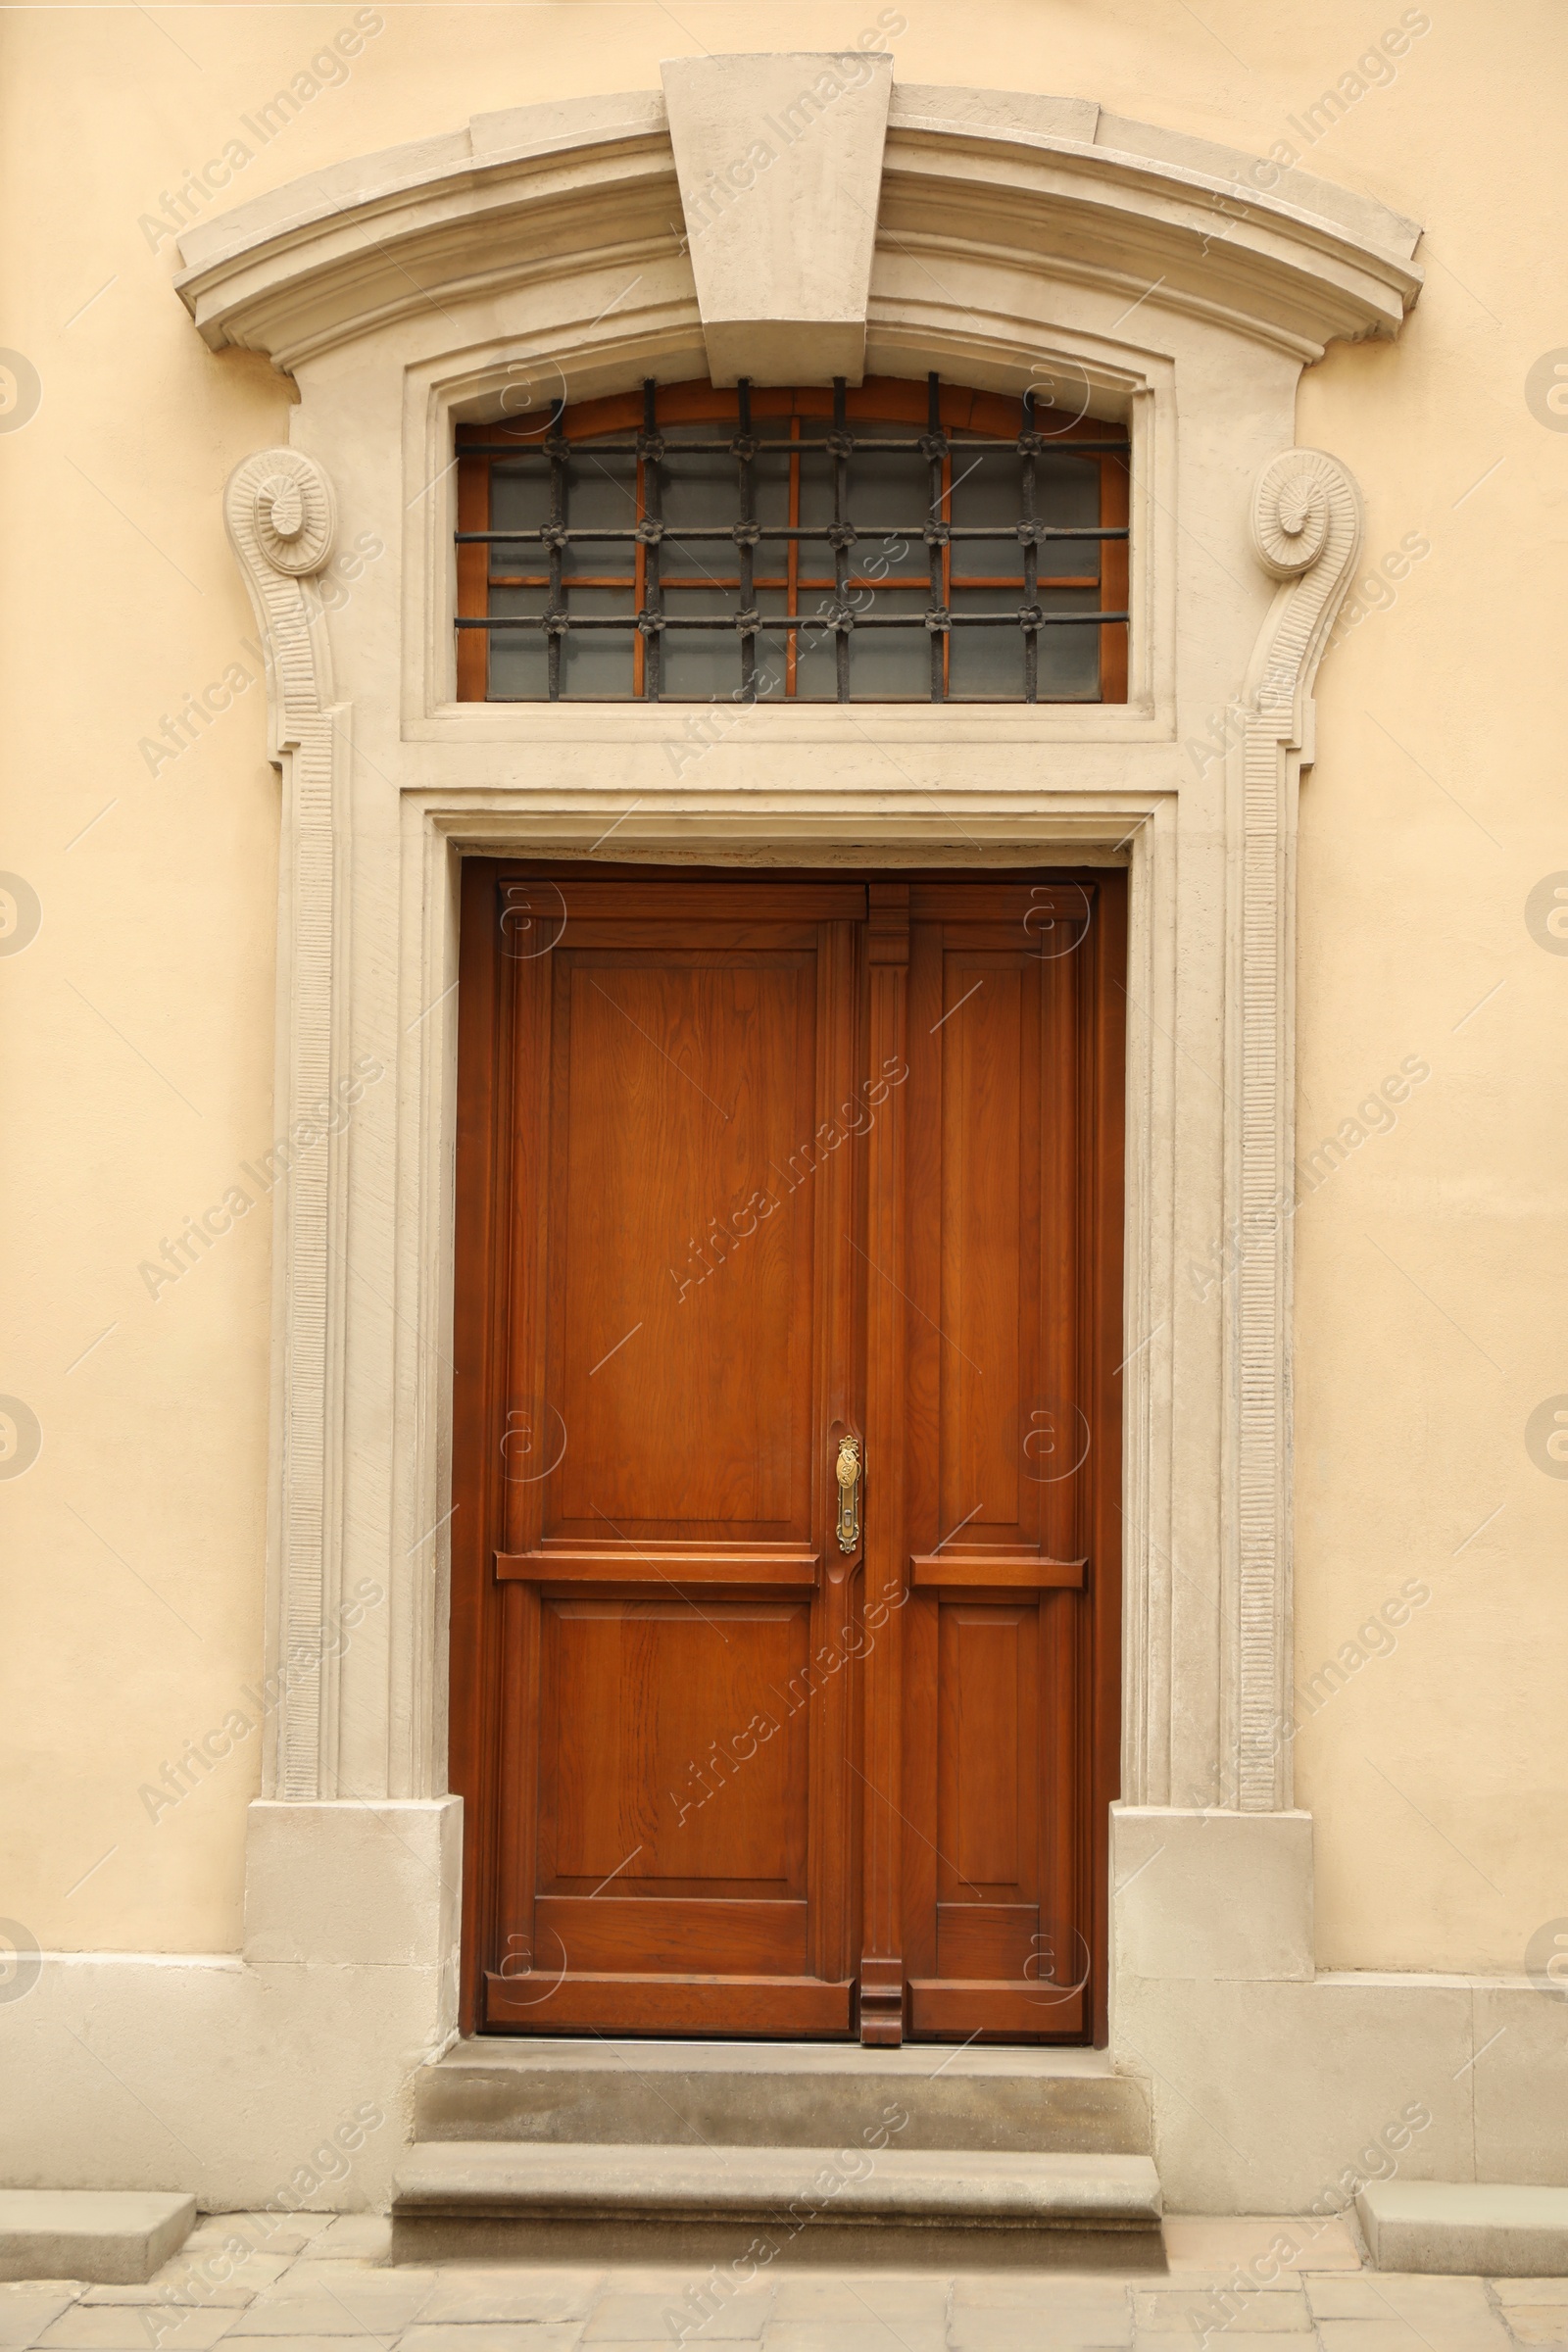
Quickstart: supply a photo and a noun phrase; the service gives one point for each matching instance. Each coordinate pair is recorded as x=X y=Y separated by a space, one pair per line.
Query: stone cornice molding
x=1053 y=184
x=1306 y=531
x=281 y=517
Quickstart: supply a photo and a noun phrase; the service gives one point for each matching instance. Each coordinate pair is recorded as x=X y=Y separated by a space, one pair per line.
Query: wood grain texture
x=557 y=1563
x=1012 y=1449
x=951 y=1569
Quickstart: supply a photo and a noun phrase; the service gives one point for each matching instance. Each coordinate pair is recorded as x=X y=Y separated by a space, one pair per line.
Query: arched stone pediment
x=656 y=182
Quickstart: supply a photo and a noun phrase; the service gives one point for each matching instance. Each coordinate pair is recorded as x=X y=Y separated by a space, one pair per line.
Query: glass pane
x=601 y=490
x=770 y=487
x=987 y=488
x=817 y=484
x=520 y=494
x=518 y=659
x=892 y=558
x=890 y=665
x=710 y=563
x=889 y=492
x=985 y=664
x=815 y=657
x=1067 y=491
x=1069 y=659
x=773 y=650
x=699 y=489
x=771 y=567
x=698 y=665
x=597 y=662
x=814 y=589
x=600 y=560
x=519 y=499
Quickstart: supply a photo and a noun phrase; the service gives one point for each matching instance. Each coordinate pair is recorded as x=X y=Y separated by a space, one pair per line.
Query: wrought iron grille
x=797 y=545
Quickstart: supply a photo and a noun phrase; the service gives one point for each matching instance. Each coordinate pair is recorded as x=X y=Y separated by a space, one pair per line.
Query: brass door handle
x=847 y=1473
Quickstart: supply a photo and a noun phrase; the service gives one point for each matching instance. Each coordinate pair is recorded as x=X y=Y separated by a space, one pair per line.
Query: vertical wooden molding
x=281 y=517
x=1307 y=529
x=886 y=1548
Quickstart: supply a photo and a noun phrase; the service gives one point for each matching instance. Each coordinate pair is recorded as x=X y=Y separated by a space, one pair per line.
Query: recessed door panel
x=679 y=1283
x=662 y=1758
x=988 y=1677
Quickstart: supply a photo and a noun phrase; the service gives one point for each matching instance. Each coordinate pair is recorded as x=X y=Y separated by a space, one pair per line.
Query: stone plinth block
x=110 y=2236
x=1466 y=2227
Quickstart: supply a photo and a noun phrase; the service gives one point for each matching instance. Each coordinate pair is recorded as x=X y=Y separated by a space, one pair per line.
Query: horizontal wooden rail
x=998 y=1567
x=652 y=1564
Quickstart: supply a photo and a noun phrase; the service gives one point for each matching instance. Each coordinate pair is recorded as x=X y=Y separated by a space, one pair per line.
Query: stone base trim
x=1466 y=2228
x=112 y=2238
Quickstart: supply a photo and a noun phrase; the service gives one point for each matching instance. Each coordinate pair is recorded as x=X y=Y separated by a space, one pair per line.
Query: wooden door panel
x=1011 y=1337
x=627 y=1934
x=636 y=1697
x=681 y=1079
x=988 y=1268
x=988 y=1678
x=683 y=2002
x=963 y=2009
x=989 y=1943
x=675 y=1211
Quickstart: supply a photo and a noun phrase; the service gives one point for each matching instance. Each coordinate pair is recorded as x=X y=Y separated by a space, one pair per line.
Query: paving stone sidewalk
x=320 y=2283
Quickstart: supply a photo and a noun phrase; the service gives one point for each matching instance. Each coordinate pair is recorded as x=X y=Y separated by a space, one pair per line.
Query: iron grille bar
x=1031 y=561
x=935 y=448
x=559 y=517
x=650 y=621
x=746 y=537
x=838 y=441
x=865 y=445
x=770 y=624
x=730 y=532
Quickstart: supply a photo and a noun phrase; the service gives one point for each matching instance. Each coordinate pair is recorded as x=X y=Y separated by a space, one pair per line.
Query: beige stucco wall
x=137 y=1029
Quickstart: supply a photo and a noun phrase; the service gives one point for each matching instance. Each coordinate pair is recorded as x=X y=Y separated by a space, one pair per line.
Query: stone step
x=782 y=2095
x=1475 y=2229
x=108 y=2236
x=746 y=2207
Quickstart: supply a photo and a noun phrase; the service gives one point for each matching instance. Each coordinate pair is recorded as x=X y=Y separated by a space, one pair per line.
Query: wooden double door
x=786 y=1466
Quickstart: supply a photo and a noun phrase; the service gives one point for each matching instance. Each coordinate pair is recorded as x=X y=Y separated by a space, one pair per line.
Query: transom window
x=896 y=543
